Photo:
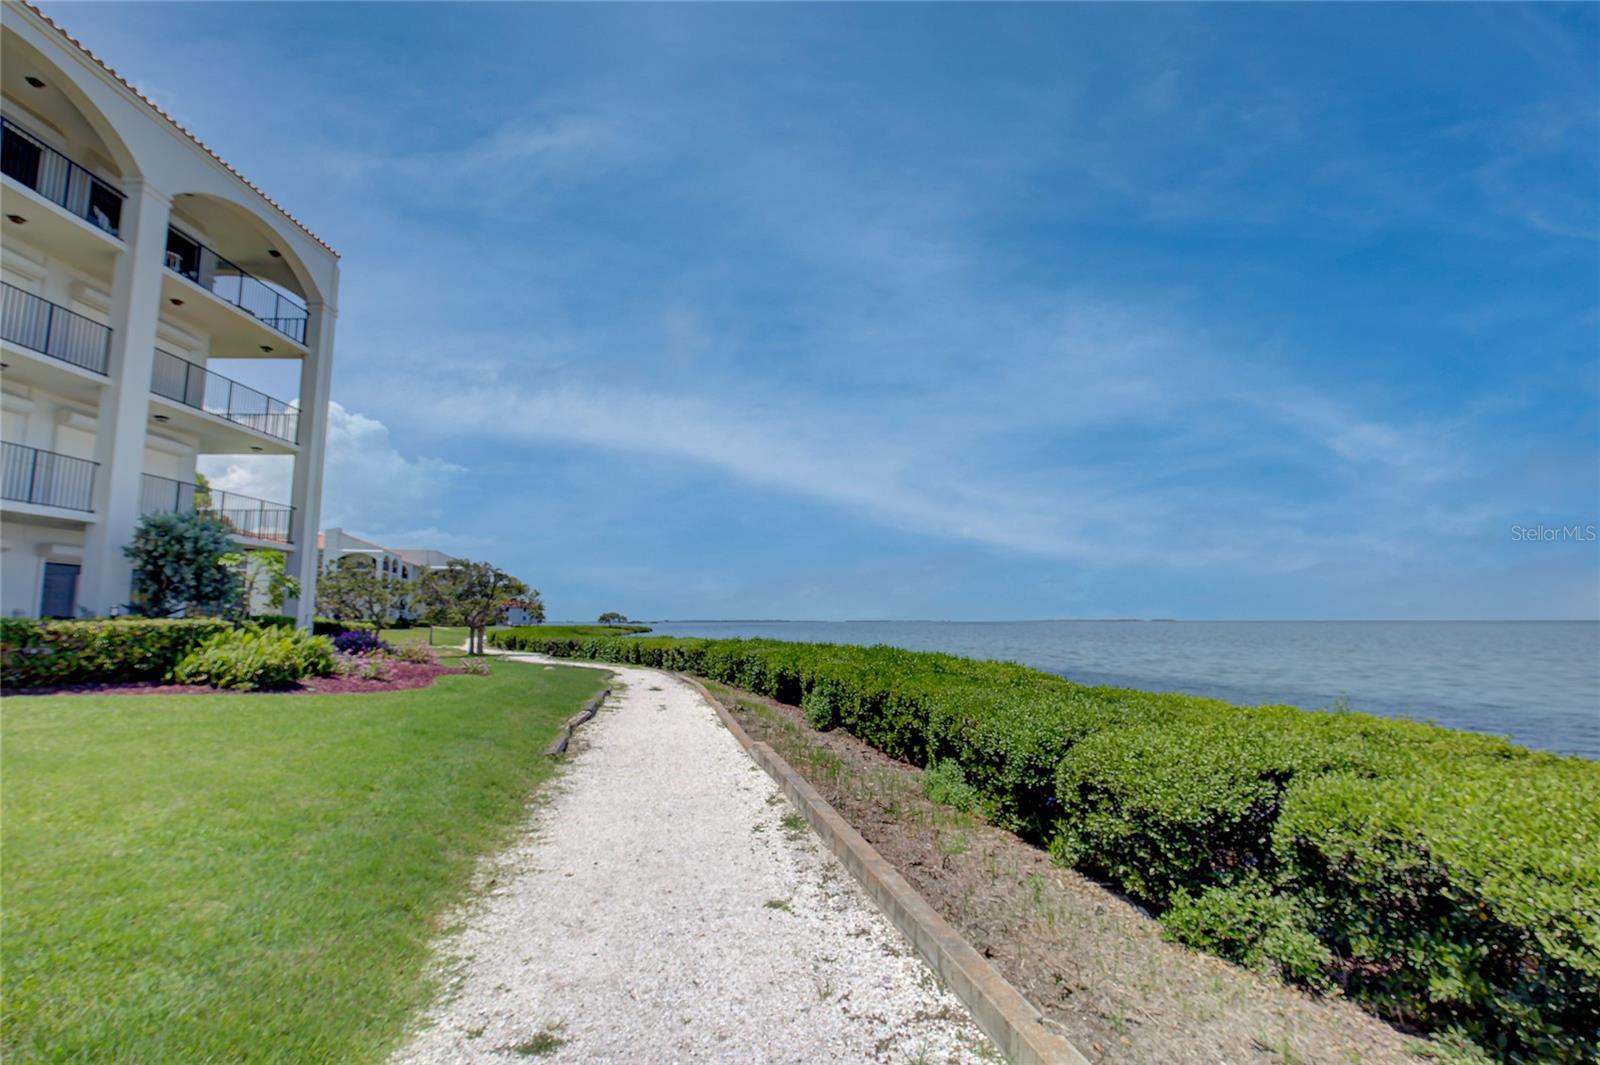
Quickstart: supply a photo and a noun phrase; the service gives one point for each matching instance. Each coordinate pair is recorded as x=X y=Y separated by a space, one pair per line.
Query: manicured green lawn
x=442 y=637
x=250 y=878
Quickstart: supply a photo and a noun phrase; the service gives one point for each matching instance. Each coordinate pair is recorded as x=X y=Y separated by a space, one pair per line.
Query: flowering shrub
x=359 y=642
x=373 y=667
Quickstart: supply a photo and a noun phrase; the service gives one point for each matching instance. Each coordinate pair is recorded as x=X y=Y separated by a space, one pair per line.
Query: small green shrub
x=372 y=667
x=281 y=621
x=822 y=711
x=1250 y=925
x=44 y=653
x=251 y=659
x=943 y=782
x=417 y=653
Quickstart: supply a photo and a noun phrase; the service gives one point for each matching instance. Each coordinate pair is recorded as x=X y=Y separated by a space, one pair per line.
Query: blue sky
x=913 y=311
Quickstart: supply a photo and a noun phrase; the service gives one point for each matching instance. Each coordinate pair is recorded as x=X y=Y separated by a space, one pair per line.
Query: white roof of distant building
x=426 y=557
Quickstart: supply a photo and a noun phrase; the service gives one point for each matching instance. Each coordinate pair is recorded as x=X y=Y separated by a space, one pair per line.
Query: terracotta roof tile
x=179 y=126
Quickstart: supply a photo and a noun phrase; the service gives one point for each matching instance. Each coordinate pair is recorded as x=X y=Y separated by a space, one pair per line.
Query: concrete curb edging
x=1007 y=1018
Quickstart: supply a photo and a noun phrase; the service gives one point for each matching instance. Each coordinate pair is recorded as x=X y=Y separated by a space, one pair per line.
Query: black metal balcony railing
x=244 y=515
x=33 y=322
x=250 y=294
x=58 y=179
x=48 y=479
x=195 y=386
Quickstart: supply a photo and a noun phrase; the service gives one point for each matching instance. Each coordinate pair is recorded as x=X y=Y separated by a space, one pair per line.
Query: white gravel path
x=658 y=910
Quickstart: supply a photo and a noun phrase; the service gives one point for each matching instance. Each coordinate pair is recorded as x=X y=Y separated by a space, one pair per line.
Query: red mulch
x=402 y=676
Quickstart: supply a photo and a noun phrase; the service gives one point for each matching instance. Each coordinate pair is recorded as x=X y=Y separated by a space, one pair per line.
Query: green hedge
x=1445 y=878
x=42 y=653
x=333 y=627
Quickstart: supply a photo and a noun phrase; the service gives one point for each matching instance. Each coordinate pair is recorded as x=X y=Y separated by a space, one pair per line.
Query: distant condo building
x=133 y=256
x=400 y=563
x=407 y=564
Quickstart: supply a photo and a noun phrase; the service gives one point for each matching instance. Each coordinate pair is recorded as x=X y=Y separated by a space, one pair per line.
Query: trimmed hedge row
x=1445 y=878
x=333 y=627
x=39 y=654
x=35 y=654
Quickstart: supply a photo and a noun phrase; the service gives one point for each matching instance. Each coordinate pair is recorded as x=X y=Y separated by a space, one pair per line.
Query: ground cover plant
x=252 y=659
x=1445 y=879
x=251 y=879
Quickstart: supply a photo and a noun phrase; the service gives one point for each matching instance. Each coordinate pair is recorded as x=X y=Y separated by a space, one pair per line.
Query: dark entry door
x=60 y=596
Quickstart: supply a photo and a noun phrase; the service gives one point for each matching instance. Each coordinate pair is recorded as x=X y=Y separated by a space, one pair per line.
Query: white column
x=316 y=379
x=123 y=424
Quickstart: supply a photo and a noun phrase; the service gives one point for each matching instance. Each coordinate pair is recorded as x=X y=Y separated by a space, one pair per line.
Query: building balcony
x=276 y=312
x=46 y=485
x=44 y=345
x=227 y=417
x=251 y=520
x=34 y=323
x=52 y=201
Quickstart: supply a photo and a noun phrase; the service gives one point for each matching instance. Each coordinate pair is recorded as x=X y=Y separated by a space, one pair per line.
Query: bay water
x=1537 y=682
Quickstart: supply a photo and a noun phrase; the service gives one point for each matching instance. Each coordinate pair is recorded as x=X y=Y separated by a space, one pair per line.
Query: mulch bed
x=402 y=677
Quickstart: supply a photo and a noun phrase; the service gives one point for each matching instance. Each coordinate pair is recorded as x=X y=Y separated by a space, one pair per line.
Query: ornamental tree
x=468 y=593
x=264 y=571
x=352 y=589
x=180 y=566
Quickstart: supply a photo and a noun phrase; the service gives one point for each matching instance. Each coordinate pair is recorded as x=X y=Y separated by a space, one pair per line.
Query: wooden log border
x=592 y=707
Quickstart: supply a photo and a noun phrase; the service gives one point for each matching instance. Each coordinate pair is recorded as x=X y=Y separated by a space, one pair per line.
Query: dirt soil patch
x=402 y=676
x=1093 y=962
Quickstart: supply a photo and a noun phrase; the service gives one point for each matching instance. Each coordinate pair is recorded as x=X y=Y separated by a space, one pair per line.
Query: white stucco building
x=399 y=563
x=131 y=257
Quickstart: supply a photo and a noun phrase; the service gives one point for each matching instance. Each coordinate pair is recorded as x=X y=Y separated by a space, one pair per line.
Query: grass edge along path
x=252 y=878
x=1447 y=880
